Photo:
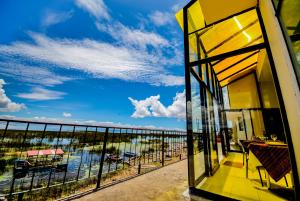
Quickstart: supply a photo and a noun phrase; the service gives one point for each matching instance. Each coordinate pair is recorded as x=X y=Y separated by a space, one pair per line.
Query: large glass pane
x=275 y=2
x=217 y=129
x=291 y=18
x=211 y=131
x=244 y=31
x=225 y=98
x=236 y=129
x=199 y=163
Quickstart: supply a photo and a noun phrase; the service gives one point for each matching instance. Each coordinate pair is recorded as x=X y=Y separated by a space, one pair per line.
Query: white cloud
x=40 y=94
x=152 y=107
x=179 y=5
x=162 y=18
x=97 y=8
x=52 y=18
x=129 y=36
x=160 y=51
x=31 y=74
x=7 y=116
x=6 y=104
x=169 y=80
x=66 y=114
x=100 y=59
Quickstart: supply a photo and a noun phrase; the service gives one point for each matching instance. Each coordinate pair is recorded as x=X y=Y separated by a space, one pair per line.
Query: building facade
x=242 y=98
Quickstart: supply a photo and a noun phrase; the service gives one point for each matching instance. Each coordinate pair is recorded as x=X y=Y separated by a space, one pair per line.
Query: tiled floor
x=165 y=184
x=230 y=180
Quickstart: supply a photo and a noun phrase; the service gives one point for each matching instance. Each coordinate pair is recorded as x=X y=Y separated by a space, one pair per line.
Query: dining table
x=273 y=156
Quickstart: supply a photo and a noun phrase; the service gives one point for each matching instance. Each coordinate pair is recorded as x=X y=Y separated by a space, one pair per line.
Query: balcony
x=57 y=160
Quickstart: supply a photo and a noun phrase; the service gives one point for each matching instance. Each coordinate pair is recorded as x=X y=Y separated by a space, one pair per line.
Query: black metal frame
x=189 y=70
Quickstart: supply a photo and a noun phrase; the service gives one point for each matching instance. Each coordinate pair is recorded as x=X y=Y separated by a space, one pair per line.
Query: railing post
x=4 y=133
x=102 y=158
x=20 y=196
x=139 y=168
x=163 y=149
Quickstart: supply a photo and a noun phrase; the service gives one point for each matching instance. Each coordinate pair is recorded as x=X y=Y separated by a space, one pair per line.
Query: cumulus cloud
x=100 y=59
x=160 y=50
x=6 y=104
x=41 y=94
x=152 y=107
x=97 y=8
x=52 y=18
x=31 y=74
x=161 y=18
x=66 y=114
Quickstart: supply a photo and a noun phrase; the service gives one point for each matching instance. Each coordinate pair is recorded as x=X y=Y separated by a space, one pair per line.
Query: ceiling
x=242 y=30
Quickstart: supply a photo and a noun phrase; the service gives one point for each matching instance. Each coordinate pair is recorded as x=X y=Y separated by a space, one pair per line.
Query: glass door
x=240 y=126
x=198 y=143
x=211 y=129
x=236 y=129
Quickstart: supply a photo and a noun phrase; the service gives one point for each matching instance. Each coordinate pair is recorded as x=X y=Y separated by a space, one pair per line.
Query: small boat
x=130 y=154
x=40 y=161
x=21 y=168
x=113 y=158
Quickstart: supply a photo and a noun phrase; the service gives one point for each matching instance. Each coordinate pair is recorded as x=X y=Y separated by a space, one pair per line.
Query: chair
x=245 y=157
x=261 y=181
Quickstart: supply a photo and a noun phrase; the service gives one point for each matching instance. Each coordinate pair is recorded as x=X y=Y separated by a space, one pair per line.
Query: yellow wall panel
x=243 y=93
x=266 y=83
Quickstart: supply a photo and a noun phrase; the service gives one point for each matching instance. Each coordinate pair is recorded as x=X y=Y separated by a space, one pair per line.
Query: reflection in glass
x=291 y=18
x=211 y=131
x=199 y=163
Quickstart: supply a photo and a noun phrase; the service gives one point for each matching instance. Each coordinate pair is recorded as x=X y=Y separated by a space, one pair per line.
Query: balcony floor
x=230 y=180
x=165 y=184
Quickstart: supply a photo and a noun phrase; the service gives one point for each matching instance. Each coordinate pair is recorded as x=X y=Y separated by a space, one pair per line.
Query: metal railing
x=46 y=160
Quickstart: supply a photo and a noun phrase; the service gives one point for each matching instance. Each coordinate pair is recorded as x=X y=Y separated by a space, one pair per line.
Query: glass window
x=290 y=17
x=199 y=163
x=225 y=98
x=211 y=130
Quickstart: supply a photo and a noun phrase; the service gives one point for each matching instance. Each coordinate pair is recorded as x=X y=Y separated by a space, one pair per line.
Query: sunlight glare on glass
x=241 y=27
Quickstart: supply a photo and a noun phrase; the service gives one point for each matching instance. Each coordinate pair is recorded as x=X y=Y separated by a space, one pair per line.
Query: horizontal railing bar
x=87 y=125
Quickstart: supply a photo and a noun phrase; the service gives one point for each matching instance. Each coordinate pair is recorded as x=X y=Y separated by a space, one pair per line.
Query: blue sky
x=100 y=61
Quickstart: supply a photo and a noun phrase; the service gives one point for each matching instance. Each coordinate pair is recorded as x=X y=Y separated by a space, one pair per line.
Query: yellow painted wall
x=266 y=83
x=243 y=93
